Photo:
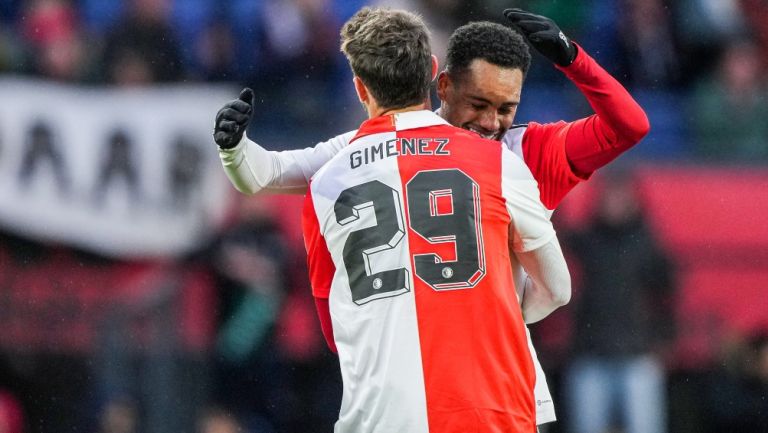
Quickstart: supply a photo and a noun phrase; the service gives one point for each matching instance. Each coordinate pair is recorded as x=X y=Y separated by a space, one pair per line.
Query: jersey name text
x=399 y=146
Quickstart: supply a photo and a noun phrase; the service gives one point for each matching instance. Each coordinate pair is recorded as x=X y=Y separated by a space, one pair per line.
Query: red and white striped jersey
x=408 y=230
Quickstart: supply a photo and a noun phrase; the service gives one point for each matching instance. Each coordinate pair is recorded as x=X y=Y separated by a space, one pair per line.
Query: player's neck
x=377 y=111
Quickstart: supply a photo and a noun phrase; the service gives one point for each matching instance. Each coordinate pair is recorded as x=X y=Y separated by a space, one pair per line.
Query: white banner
x=122 y=172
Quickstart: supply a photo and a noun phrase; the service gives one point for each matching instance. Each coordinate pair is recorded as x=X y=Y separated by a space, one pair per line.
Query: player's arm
x=536 y=302
x=619 y=122
x=534 y=243
x=251 y=168
x=547 y=284
x=321 y=268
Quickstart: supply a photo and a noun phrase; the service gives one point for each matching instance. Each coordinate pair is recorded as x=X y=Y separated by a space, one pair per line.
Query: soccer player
x=479 y=90
x=408 y=230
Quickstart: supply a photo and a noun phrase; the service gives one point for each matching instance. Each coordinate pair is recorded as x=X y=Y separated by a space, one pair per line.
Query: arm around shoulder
x=534 y=242
x=253 y=169
x=548 y=285
x=249 y=167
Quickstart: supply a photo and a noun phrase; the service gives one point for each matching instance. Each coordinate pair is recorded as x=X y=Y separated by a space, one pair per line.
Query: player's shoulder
x=513 y=164
x=530 y=129
x=532 y=134
x=344 y=146
x=338 y=142
x=513 y=138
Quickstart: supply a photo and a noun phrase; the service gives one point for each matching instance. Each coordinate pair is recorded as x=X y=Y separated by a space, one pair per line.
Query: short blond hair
x=389 y=50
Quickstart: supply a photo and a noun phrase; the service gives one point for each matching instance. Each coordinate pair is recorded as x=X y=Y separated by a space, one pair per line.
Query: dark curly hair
x=492 y=42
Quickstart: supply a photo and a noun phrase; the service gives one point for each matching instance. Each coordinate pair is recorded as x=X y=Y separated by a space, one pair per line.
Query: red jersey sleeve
x=618 y=123
x=319 y=261
x=320 y=266
x=324 y=314
x=562 y=154
x=543 y=147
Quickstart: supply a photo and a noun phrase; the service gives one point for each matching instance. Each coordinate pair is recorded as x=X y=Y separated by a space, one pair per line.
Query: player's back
x=413 y=223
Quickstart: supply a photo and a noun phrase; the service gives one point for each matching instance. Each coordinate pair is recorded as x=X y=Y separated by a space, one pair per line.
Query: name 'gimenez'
x=399 y=146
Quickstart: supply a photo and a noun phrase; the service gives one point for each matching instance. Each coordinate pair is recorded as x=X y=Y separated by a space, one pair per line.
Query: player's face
x=483 y=100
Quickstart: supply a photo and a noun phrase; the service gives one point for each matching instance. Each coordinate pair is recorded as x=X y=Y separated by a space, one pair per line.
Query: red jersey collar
x=398 y=122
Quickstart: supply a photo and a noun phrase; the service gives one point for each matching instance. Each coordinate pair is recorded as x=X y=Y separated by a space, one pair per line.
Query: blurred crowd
x=697 y=66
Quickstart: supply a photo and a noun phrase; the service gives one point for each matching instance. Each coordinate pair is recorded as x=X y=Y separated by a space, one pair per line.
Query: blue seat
x=100 y=15
x=190 y=17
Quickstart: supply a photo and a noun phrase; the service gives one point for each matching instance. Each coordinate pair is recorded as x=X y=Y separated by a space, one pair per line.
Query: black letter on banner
x=186 y=162
x=118 y=161
x=40 y=146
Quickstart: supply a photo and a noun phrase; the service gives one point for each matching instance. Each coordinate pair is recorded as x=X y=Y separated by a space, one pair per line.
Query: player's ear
x=435 y=65
x=360 y=89
x=443 y=83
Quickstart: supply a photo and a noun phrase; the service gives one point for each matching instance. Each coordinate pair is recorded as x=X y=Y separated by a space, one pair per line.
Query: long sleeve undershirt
x=618 y=123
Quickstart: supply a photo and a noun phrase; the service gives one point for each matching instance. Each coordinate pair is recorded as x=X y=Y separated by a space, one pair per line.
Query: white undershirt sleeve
x=533 y=242
x=548 y=285
x=252 y=169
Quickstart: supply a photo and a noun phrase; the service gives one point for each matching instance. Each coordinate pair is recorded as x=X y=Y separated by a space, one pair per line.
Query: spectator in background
x=301 y=43
x=736 y=398
x=11 y=414
x=300 y=33
x=8 y=38
x=647 y=41
x=8 y=10
x=54 y=41
x=251 y=267
x=622 y=320
x=756 y=14
x=252 y=257
x=7 y=43
x=442 y=17
x=730 y=108
x=142 y=47
x=704 y=26
x=119 y=415
x=269 y=350
x=215 y=52
x=217 y=420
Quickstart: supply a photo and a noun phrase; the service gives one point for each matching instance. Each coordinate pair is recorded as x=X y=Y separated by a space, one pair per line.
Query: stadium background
x=140 y=293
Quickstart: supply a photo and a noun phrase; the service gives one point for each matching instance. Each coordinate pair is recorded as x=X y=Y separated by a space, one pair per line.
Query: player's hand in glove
x=232 y=120
x=544 y=35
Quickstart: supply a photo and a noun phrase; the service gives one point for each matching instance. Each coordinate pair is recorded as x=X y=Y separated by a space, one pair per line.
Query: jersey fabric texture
x=407 y=232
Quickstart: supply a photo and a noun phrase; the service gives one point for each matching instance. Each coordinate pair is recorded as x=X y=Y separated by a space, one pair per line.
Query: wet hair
x=496 y=44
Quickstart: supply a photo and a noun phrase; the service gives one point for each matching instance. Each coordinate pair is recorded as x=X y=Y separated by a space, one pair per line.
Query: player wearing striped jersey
x=479 y=90
x=408 y=231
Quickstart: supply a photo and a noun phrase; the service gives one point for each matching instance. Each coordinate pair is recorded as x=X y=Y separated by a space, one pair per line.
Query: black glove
x=544 y=35
x=232 y=120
